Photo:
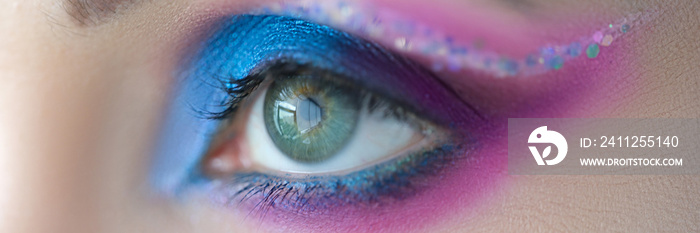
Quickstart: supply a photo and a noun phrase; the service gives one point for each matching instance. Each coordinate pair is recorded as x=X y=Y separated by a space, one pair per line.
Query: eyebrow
x=94 y=12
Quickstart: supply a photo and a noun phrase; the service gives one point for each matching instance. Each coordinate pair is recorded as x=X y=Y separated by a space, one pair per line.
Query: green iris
x=310 y=119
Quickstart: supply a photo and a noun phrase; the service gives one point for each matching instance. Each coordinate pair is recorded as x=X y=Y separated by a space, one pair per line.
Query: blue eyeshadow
x=243 y=44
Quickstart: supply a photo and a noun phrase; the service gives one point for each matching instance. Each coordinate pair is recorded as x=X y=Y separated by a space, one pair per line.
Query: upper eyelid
x=245 y=39
x=440 y=49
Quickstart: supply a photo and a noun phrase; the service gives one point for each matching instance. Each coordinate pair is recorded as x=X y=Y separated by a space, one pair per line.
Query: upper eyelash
x=443 y=51
x=239 y=89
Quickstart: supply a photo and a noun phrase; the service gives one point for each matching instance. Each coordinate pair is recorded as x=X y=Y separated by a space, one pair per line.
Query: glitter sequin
x=592 y=50
x=597 y=36
x=607 y=40
x=556 y=62
x=402 y=44
x=624 y=28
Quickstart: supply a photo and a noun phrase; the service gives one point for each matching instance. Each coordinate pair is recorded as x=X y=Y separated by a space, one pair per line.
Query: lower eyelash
x=382 y=184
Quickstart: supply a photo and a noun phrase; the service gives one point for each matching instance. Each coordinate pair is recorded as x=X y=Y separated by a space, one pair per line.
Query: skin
x=81 y=106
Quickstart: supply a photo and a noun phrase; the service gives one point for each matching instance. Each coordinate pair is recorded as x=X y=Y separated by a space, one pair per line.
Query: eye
x=311 y=116
x=309 y=120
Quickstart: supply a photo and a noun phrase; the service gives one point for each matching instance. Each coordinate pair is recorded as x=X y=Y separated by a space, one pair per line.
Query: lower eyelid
x=381 y=184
